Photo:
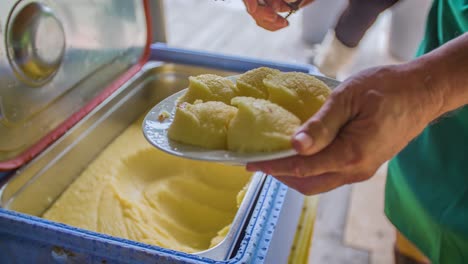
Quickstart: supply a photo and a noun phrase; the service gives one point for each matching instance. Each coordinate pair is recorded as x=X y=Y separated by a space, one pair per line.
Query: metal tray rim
x=220 y=252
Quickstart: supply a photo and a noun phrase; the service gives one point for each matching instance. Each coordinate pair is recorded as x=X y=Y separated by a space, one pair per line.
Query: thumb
x=322 y=128
x=251 y=6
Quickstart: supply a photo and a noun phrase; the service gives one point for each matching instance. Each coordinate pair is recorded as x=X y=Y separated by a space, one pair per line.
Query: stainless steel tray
x=34 y=188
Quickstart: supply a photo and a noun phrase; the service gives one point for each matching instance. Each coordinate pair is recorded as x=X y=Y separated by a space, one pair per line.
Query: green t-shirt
x=427 y=186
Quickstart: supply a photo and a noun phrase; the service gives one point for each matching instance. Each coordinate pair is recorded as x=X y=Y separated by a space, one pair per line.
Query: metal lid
x=57 y=60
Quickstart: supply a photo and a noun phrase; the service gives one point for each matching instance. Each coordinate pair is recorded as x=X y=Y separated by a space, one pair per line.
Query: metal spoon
x=293 y=6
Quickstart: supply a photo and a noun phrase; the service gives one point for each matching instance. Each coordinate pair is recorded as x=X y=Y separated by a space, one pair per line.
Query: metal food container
x=70 y=86
x=34 y=188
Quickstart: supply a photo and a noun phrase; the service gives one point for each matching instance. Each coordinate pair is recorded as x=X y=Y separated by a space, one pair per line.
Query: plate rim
x=204 y=154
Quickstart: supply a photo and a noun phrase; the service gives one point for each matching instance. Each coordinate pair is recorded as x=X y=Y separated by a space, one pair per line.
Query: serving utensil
x=293 y=6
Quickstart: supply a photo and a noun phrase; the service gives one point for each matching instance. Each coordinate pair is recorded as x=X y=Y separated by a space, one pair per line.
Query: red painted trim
x=48 y=139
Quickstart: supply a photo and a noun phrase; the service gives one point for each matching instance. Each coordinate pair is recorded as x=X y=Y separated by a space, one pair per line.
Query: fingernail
x=302 y=141
x=284 y=23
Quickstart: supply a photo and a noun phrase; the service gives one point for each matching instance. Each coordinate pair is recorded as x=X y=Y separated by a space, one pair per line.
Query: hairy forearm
x=444 y=72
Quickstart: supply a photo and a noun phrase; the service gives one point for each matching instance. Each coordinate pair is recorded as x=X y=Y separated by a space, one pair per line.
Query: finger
x=314 y=185
x=251 y=6
x=320 y=130
x=334 y=158
x=280 y=6
x=303 y=3
x=273 y=26
x=266 y=14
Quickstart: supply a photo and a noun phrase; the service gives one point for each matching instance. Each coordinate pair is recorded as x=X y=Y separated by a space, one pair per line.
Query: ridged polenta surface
x=135 y=191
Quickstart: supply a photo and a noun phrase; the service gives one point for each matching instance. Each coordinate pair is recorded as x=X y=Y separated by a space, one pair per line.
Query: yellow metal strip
x=303 y=239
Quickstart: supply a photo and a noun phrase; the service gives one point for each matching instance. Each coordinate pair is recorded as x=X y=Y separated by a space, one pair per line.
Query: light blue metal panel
x=162 y=52
x=29 y=239
x=258 y=235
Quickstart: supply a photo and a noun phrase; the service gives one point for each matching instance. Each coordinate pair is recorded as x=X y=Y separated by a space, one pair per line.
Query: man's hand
x=366 y=121
x=265 y=12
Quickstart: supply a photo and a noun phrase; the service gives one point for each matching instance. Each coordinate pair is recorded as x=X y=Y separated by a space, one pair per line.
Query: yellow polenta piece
x=251 y=82
x=299 y=93
x=202 y=124
x=260 y=126
x=209 y=87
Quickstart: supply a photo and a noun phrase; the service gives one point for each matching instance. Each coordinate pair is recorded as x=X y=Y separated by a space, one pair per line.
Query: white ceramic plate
x=155 y=131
